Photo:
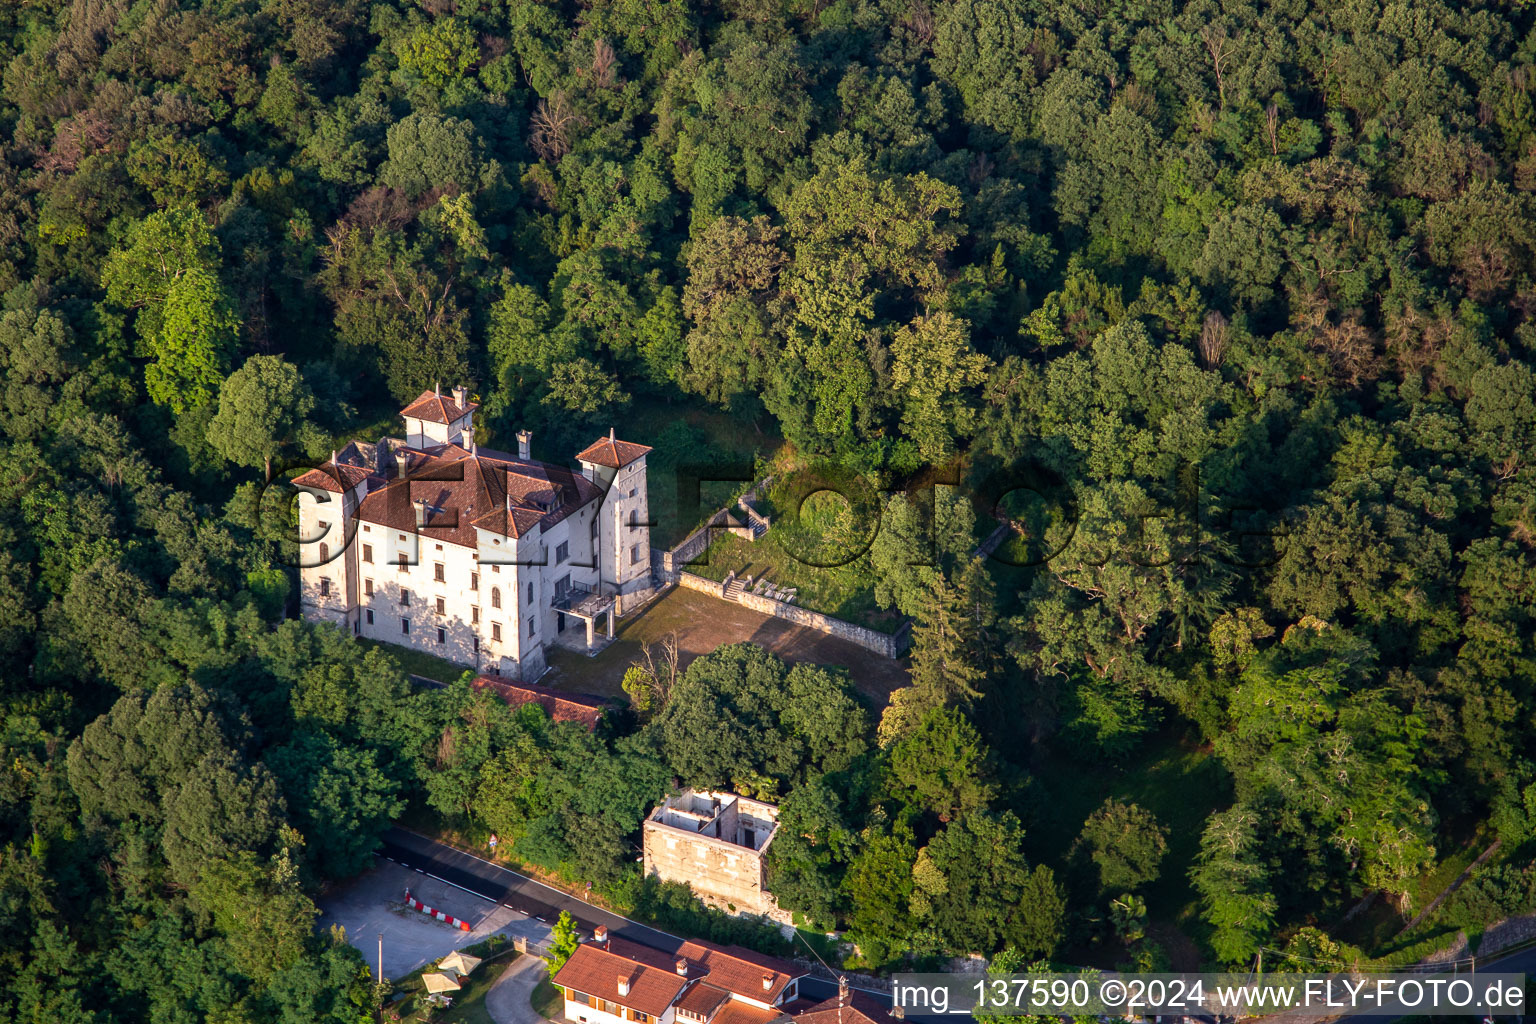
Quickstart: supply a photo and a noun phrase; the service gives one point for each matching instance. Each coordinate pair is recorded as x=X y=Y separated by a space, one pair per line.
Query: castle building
x=474 y=555
x=715 y=843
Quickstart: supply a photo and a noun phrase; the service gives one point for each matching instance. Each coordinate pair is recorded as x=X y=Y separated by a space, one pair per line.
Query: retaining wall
x=888 y=645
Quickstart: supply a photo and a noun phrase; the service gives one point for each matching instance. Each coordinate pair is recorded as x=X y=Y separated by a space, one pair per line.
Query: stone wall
x=889 y=645
x=694 y=545
x=714 y=588
x=886 y=644
x=721 y=873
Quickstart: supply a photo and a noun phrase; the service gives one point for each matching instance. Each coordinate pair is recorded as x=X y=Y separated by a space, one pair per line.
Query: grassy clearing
x=469 y=1002
x=817 y=549
x=701 y=443
x=1177 y=782
x=546 y=1000
x=418 y=662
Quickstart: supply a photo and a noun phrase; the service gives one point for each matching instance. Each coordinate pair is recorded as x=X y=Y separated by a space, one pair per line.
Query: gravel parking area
x=373 y=904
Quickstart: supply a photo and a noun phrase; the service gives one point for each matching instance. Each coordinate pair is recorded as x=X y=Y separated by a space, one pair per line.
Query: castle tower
x=435 y=418
x=623 y=547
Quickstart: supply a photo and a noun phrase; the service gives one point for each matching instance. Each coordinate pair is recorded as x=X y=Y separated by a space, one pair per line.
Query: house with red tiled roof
x=611 y=981
x=584 y=709
x=475 y=555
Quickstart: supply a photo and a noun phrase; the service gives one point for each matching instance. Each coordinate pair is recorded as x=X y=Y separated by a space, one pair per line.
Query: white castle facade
x=477 y=556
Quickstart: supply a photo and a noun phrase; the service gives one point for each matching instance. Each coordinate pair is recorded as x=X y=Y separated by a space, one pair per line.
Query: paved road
x=508 y=1001
x=511 y=889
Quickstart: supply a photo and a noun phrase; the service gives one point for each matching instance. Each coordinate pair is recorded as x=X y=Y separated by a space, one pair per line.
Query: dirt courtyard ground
x=703 y=623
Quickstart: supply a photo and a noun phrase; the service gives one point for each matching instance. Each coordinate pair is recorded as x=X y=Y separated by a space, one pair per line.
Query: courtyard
x=703 y=623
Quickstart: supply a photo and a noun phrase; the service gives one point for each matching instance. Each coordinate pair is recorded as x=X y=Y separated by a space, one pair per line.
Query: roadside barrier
x=416 y=904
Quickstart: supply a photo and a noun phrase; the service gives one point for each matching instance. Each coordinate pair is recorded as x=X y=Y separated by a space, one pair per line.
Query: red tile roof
x=562 y=707
x=437 y=408
x=463 y=490
x=611 y=452
x=732 y=968
x=334 y=478
x=703 y=1000
x=596 y=972
x=861 y=1008
x=737 y=1012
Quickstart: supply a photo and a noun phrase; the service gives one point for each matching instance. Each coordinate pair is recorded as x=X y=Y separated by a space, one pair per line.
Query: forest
x=1225 y=306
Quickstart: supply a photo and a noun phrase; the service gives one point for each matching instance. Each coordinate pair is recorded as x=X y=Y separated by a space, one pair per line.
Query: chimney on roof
x=600 y=938
x=524 y=439
x=474 y=449
x=437 y=389
x=682 y=967
x=333 y=456
x=612 y=435
x=767 y=983
x=461 y=397
x=421 y=511
x=623 y=985
x=842 y=989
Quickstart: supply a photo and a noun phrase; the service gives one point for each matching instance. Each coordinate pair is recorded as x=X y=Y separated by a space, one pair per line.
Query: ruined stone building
x=715 y=843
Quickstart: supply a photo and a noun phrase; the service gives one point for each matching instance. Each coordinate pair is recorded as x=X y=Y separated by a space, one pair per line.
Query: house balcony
x=584 y=603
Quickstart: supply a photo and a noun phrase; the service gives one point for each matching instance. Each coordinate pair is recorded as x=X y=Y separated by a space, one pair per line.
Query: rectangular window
x=405 y=598
x=634 y=553
x=442 y=636
x=495 y=568
x=437 y=571
x=631 y=492
x=474 y=615
x=439 y=547
x=369 y=613
x=477 y=645
x=442 y=608
x=368 y=553
x=402 y=567
x=530 y=627
x=530 y=593
x=562 y=552
x=325 y=588
x=474 y=581
x=496 y=631
x=402 y=536
x=610 y=1007
x=405 y=626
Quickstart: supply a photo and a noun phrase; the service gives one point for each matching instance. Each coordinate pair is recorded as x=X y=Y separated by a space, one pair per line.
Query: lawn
x=547 y=1000
x=418 y=663
x=469 y=1002
x=705 y=443
x=1179 y=783
x=816 y=549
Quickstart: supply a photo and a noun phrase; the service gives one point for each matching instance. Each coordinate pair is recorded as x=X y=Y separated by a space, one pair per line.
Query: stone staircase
x=733 y=588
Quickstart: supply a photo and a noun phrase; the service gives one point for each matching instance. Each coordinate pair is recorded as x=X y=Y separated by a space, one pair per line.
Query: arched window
x=325 y=553
x=495 y=597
